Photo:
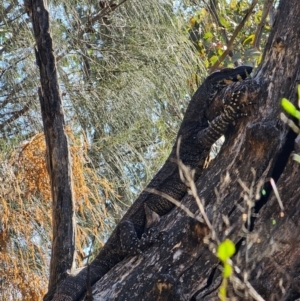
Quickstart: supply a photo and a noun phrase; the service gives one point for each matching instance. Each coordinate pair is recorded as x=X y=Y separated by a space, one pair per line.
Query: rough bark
x=267 y=260
x=58 y=158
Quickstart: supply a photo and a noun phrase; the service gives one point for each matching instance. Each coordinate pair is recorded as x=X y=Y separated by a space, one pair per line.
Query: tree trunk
x=58 y=158
x=267 y=261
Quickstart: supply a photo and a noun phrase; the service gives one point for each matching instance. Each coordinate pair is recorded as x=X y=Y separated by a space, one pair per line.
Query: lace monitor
x=197 y=136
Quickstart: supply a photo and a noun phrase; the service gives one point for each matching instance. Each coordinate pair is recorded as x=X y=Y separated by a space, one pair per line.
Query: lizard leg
x=232 y=111
x=130 y=243
x=238 y=101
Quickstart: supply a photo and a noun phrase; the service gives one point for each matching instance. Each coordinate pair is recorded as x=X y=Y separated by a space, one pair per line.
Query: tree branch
x=58 y=157
x=267 y=5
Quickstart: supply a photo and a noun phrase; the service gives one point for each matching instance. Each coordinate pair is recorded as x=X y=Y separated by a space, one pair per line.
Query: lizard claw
x=151 y=236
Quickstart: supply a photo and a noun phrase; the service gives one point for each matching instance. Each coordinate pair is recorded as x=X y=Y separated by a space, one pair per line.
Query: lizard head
x=227 y=76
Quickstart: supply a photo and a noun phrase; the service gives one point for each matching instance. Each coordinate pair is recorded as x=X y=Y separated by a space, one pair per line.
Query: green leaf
x=225 y=250
x=206 y=62
x=233 y=4
x=227 y=271
x=208 y=36
x=236 y=56
x=252 y=52
x=219 y=51
x=224 y=22
x=296 y=158
x=213 y=59
x=249 y=39
x=223 y=292
x=290 y=108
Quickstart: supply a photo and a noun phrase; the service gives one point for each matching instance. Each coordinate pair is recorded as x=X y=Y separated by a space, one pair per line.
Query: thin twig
x=187 y=176
x=277 y=194
x=213 y=11
x=107 y=10
x=234 y=35
x=267 y=5
x=176 y=203
x=15 y=116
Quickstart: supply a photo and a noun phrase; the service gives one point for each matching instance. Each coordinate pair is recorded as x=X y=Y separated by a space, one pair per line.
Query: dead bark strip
x=58 y=158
